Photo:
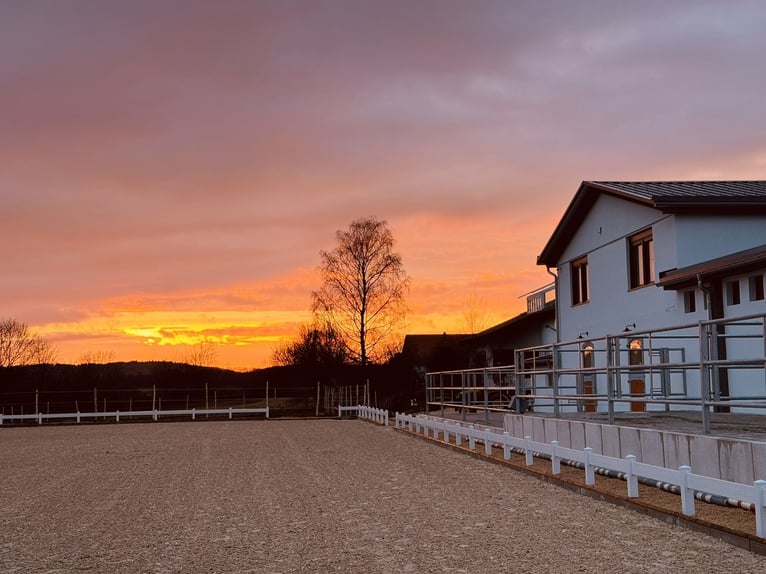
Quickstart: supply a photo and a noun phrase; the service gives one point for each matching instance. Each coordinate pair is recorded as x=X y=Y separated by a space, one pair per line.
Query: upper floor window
x=732 y=293
x=756 y=288
x=579 y=268
x=641 y=259
x=690 y=301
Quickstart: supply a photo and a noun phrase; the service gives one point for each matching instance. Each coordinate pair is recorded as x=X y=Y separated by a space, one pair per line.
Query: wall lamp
x=582 y=335
x=629 y=327
x=551 y=328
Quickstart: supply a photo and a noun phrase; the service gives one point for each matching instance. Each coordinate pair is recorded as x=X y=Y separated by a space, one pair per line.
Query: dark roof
x=422 y=347
x=704 y=197
x=520 y=321
x=741 y=262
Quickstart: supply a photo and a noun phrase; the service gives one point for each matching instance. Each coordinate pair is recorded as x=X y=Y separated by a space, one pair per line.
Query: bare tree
x=202 y=354
x=316 y=346
x=19 y=345
x=363 y=288
x=96 y=357
x=475 y=313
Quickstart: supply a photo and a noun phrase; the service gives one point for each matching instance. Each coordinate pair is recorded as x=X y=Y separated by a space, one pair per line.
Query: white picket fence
x=379 y=416
x=117 y=415
x=687 y=481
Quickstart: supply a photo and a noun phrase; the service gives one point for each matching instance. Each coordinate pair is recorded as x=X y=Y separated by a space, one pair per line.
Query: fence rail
x=688 y=484
x=379 y=416
x=117 y=415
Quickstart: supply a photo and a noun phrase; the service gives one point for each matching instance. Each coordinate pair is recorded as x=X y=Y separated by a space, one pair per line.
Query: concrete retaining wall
x=725 y=458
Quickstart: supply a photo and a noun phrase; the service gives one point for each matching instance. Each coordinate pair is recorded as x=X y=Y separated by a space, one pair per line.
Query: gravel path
x=308 y=496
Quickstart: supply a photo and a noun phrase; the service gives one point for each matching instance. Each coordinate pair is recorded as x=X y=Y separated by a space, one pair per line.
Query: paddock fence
x=688 y=485
x=155 y=402
x=117 y=416
x=379 y=416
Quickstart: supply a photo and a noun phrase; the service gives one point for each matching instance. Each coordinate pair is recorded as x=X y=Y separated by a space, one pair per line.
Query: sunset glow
x=169 y=171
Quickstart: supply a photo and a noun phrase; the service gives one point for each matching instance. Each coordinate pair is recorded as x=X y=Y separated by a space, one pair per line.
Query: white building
x=643 y=256
x=648 y=252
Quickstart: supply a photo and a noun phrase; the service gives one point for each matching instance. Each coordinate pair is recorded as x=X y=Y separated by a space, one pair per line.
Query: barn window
x=756 y=288
x=580 y=280
x=641 y=259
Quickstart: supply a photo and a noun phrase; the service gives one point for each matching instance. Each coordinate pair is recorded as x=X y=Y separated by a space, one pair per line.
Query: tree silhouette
x=19 y=345
x=363 y=288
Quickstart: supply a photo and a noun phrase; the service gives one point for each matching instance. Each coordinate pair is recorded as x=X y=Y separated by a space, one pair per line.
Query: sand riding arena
x=284 y=496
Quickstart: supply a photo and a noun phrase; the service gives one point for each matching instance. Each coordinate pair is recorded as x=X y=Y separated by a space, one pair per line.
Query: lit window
x=690 y=301
x=756 y=288
x=641 y=259
x=580 y=280
x=732 y=293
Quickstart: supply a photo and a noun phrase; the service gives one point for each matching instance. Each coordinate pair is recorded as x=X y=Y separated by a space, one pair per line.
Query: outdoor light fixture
x=582 y=335
x=551 y=328
x=629 y=327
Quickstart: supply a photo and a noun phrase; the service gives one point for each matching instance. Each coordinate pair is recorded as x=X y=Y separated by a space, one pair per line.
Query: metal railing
x=708 y=366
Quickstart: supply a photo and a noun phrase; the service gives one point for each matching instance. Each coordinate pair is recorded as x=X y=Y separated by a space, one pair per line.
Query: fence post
x=39 y=418
x=194 y=414
x=458 y=435
x=632 y=479
x=555 y=459
x=78 y=416
x=506 y=445
x=487 y=442
x=436 y=430
x=471 y=438
x=687 y=494
x=760 y=502
x=590 y=475
x=529 y=458
x=117 y=417
x=385 y=421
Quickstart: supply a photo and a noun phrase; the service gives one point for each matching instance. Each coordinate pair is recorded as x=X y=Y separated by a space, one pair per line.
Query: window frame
x=756 y=288
x=641 y=259
x=733 y=292
x=690 y=301
x=580 y=281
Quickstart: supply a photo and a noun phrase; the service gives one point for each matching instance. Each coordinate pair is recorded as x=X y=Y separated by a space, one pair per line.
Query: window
x=580 y=280
x=641 y=259
x=690 y=301
x=732 y=293
x=756 y=288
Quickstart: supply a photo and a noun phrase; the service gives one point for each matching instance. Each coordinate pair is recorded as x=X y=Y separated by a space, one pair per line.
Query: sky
x=170 y=170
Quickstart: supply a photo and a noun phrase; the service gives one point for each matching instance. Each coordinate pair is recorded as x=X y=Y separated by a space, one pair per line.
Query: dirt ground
x=309 y=496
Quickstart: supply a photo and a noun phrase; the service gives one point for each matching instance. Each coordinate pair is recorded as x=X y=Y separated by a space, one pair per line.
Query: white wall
x=603 y=237
x=701 y=238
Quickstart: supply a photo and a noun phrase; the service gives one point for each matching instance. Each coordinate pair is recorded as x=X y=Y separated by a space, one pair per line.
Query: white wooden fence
x=684 y=478
x=379 y=416
x=117 y=415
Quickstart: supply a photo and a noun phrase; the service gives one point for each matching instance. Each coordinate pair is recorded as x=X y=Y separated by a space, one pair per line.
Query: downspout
x=708 y=296
x=556 y=303
x=558 y=339
x=714 y=299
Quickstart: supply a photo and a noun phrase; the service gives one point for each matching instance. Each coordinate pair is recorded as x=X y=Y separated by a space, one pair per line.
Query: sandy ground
x=308 y=496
